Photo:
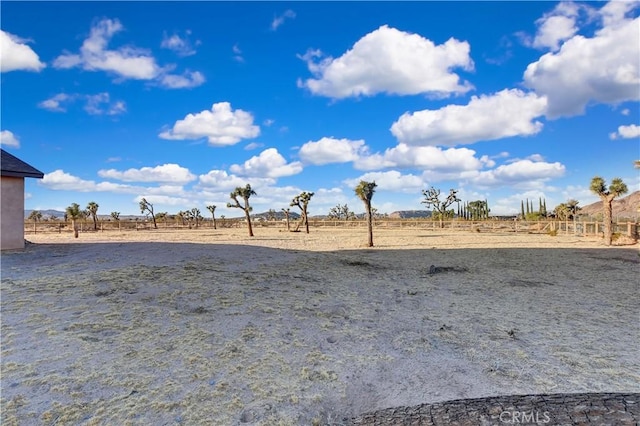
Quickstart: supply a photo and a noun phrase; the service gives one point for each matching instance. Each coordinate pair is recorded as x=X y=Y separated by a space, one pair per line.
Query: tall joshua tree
x=302 y=201
x=212 y=209
x=35 y=216
x=286 y=215
x=244 y=193
x=92 y=209
x=116 y=217
x=607 y=195
x=365 y=191
x=432 y=198
x=147 y=206
x=74 y=213
x=195 y=216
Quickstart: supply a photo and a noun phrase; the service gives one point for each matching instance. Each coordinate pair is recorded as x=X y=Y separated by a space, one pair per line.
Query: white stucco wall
x=11 y=213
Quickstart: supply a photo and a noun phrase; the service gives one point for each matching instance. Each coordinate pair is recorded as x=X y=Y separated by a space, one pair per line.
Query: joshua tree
x=147 y=206
x=92 y=210
x=341 y=212
x=74 y=213
x=432 y=198
x=607 y=195
x=212 y=209
x=244 y=193
x=195 y=215
x=35 y=216
x=365 y=191
x=162 y=217
x=302 y=201
x=181 y=216
x=286 y=215
x=116 y=217
x=187 y=217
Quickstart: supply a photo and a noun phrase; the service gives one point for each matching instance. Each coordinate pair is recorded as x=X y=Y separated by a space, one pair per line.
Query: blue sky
x=181 y=102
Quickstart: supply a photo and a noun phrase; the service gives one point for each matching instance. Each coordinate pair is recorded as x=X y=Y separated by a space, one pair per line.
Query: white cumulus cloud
x=557 y=26
x=101 y=104
x=57 y=103
x=15 y=54
x=187 y=80
x=504 y=114
x=424 y=158
x=330 y=150
x=98 y=104
x=391 y=180
x=604 y=68
x=60 y=180
x=221 y=126
x=626 y=132
x=7 y=138
x=270 y=163
x=182 y=46
x=172 y=173
x=127 y=62
x=391 y=61
x=222 y=181
x=522 y=173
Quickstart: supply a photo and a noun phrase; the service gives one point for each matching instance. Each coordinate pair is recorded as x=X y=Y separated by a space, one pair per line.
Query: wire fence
x=582 y=228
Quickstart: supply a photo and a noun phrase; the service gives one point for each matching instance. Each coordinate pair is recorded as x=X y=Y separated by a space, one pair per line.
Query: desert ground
x=210 y=326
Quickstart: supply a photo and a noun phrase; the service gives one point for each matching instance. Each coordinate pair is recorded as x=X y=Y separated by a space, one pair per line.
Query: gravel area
x=213 y=327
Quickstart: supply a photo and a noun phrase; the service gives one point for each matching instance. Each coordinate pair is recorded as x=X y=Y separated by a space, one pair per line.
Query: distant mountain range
x=626 y=207
x=46 y=213
x=410 y=214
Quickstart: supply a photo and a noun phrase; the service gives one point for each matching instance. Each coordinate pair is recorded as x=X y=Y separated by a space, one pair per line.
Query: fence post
x=629 y=229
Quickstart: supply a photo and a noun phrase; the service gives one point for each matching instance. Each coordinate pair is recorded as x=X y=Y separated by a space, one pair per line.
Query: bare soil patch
x=162 y=327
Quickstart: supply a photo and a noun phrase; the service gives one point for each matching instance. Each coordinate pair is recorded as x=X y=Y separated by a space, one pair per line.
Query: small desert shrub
x=619 y=239
x=553 y=232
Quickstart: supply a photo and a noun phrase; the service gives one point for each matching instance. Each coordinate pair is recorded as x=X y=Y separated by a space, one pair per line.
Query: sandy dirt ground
x=213 y=327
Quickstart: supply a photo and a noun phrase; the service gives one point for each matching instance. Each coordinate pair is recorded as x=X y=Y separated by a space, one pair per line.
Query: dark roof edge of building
x=12 y=166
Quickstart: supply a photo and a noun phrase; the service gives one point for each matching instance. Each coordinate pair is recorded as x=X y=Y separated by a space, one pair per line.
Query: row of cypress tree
x=528 y=211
